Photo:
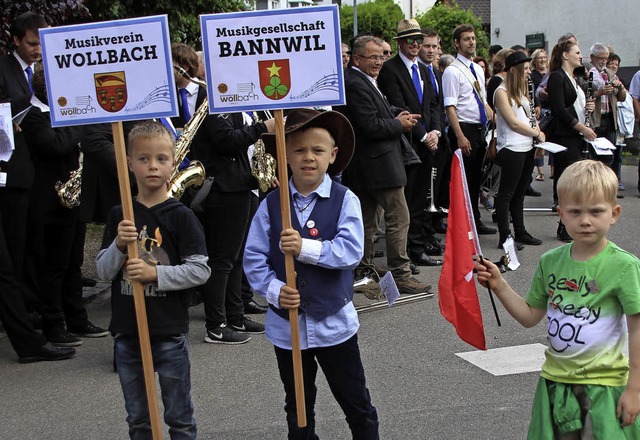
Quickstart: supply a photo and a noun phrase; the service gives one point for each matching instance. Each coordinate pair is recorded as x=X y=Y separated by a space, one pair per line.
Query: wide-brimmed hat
x=408 y=28
x=335 y=123
x=515 y=58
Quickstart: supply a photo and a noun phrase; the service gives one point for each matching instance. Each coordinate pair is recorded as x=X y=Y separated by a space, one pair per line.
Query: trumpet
x=194 y=175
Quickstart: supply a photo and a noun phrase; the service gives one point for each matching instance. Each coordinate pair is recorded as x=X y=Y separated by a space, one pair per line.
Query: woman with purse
x=515 y=136
x=568 y=105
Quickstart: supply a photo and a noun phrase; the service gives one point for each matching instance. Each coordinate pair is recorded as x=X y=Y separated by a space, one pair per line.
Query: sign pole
x=138 y=290
x=289 y=269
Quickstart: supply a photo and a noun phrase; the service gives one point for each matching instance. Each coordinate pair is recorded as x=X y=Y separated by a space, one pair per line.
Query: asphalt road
x=421 y=389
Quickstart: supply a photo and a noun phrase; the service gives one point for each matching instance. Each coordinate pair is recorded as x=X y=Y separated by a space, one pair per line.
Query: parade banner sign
x=276 y=59
x=109 y=71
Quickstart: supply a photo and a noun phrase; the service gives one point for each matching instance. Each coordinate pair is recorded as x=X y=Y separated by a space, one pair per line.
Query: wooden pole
x=289 y=269
x=138 y=290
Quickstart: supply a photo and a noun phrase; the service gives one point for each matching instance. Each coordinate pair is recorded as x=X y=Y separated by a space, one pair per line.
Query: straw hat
x=408 y=28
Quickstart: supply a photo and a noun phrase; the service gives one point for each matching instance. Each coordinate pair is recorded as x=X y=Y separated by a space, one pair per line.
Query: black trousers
x=225 y=220
x=473 y=162
x=515 y=175
x=562 y=160
x=342 y=366
x=416 y=192
x=13 y=313
x=246 y=292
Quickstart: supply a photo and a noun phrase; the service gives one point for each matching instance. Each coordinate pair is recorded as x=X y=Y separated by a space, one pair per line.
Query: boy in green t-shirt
x=588 y=388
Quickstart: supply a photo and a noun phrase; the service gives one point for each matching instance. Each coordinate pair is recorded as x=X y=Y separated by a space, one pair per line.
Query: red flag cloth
x=457 y=293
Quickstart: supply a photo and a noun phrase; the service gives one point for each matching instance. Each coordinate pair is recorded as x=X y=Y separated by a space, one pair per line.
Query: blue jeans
x=171 y=362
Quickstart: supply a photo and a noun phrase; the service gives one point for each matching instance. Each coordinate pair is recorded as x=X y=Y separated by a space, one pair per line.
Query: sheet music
x=551 y=147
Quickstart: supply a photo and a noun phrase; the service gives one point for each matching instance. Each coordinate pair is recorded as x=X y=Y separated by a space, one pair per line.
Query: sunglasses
x=387 y=52
x=412 y=40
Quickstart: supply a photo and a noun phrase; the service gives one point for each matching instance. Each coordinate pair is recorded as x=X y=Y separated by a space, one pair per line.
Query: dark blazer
x=14 y=88
x=396 y=83
x=221 y=144
x=562 y=95
x=377 y=160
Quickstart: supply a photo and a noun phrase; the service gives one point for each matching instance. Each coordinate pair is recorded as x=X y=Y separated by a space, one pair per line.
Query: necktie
x=29 y=76
x=185 y=105
x=476 y=94
x=604 y=100
x=433 y=81
x=416 y=81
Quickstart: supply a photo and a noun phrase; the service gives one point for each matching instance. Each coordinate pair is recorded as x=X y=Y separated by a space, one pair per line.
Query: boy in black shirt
x=172 y=260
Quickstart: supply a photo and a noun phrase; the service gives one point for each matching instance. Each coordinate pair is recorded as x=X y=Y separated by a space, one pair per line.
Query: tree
x=55 y=12
x=184 y=21
x=444 y=18
x=380 y=17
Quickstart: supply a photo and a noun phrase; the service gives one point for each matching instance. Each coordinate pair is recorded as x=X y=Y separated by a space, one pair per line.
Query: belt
x=472 y=125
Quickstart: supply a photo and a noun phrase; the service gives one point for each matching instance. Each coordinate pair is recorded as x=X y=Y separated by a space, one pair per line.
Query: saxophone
x=69 y=192
x=263 y=164
x=194 y=175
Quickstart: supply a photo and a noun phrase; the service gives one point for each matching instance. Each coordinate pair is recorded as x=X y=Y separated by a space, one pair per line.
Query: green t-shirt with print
x=586 y=302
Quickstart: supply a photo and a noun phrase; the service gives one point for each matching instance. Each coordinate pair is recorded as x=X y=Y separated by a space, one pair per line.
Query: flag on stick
x=457 y=293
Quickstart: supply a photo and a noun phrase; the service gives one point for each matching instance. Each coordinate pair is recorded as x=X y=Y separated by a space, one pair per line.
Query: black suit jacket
x=396 y=83
x=14 y=88
x=377 y=160
x=562 y=95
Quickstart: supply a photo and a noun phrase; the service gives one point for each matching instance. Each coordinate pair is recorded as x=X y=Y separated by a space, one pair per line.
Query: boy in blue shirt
x=326 y=240
x=173 y=258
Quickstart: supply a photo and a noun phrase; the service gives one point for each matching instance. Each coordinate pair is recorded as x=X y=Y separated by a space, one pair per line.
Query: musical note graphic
x=328 y=83
x=159 y=94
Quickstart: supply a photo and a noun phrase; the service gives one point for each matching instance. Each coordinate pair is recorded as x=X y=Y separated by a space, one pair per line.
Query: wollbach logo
x=275 y=78
x=111 y=90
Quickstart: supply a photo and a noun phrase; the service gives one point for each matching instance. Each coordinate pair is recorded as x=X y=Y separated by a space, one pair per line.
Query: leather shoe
x=432 y=249
x=48 y=352
x=253 y=307
x=425 y=260
x=532 y=192
x=526 y=238
x=485 y=230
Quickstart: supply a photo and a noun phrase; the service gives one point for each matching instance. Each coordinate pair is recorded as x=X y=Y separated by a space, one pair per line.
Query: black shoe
x=88 y=282
x=63 y=339
x=88 y=330
x=48 y=352
x=562 y=234
x=248 y=326
x=415 y=270
x=532 y=192
x=432 y=249
x=503 y=238
x=485 y=230
x=225 y=335
x=425 y=260
x=253 y=307
x=526 y=238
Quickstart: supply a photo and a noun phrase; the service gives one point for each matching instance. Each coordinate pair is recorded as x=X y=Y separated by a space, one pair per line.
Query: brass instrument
x=194 y=175
x=432 y=206
x=69 y=192
x=263 y=166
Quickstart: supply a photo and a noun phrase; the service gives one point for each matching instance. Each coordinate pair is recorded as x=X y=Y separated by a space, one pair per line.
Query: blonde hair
x=516 y=84
x=588 y=178
x=149 y=130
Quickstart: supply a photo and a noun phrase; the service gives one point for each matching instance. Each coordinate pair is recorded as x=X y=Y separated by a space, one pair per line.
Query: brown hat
x=335 y=123
x=408 y=28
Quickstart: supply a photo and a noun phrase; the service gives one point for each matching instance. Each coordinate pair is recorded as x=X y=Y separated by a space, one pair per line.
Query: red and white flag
x=457 y=293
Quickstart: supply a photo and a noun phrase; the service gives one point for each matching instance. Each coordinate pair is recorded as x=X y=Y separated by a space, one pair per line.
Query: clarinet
x=532 y=106
x=587 y=113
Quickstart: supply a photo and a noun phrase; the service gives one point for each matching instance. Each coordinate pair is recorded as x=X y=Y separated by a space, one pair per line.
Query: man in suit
x=428 y=56
x=377 y=171
x=14 y=198
x=407 y=84
x=221 y=144
x=463 y=87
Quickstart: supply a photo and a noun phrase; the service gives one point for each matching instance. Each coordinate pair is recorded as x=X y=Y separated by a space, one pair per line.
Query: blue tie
x=483 y=113
x=185 y=105
x=416 y=81
x=433 y=81
x=29 y=71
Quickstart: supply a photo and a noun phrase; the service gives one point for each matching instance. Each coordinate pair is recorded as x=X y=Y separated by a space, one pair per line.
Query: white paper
x=602 y=143
x=510 y=248
x=20 y=116
x=6 y=132
x=389 y=288
x=602 y=151
x=551 y=147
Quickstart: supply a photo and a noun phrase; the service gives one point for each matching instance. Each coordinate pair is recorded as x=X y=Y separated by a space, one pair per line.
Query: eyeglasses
x=601 y=58
x=412 y=40
x=372 y=57
x=387 y=53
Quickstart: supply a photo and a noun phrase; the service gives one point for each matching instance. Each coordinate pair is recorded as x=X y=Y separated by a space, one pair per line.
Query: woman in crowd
x=498 y=74
x=539 y=68
x=480 y=61
x=568 y=104
x=515 y=136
